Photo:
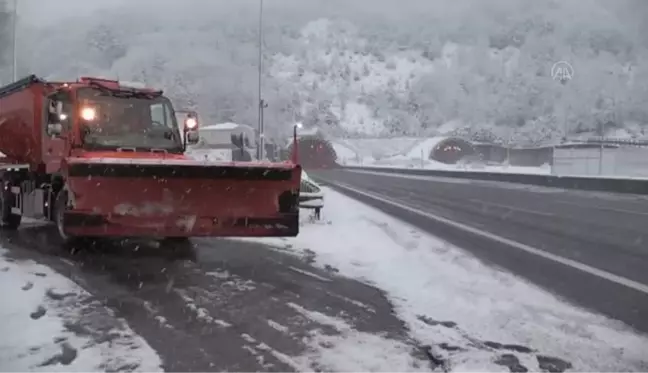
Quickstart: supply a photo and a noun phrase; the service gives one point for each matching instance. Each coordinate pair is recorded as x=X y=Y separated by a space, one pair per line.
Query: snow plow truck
x=103 y=158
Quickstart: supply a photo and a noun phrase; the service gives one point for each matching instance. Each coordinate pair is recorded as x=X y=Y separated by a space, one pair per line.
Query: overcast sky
x=51 y=11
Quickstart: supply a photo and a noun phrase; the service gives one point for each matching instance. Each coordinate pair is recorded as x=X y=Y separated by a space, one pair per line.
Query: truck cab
x=98 y=115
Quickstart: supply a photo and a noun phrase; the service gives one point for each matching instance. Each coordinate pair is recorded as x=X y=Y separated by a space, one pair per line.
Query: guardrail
x=311 y=196
x=602 y=184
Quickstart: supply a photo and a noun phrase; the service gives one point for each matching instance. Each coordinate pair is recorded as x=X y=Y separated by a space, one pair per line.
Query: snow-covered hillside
x=371 y=68
x=487 y=90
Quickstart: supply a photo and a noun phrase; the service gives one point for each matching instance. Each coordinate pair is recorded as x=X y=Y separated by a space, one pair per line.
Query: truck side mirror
x=192 y=137
x=54 y=129
x=236 y=140
x=52 y=115
x=55 y=116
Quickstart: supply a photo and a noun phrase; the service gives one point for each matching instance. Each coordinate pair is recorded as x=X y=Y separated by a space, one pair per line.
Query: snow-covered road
x=357 y=291
x=48 y=323
x=473 y=316
x=227 y=305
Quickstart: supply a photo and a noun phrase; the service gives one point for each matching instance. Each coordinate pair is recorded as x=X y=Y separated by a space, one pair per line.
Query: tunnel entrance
x=450 y=150
x=315 y=153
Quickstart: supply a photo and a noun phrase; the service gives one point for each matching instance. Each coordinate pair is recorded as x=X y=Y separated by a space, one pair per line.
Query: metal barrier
x=603 y=184
x=621 y=162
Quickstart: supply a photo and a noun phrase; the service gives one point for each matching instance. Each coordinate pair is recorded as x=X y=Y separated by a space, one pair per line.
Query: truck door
x=58 y=116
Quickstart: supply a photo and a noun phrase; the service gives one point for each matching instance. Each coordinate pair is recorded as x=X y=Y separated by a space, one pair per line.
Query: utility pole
x=14 y=42
x=600 y=162
x=563 y=72
x=261 y=103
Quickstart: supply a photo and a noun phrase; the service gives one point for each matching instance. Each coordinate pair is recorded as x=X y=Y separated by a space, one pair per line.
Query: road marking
x=508 y=242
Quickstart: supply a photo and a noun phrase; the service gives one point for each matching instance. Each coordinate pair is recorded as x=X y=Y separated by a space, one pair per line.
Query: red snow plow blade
x=181 y=198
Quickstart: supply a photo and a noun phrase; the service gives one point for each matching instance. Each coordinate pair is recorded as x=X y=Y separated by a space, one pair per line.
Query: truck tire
x=60 y=205
x=8 y=220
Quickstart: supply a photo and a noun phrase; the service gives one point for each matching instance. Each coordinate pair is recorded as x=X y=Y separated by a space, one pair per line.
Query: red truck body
x=21 y=127
x=116 y=189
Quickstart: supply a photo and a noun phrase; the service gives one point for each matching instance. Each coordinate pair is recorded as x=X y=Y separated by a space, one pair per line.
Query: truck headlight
x=191 y=123
x=88 y=113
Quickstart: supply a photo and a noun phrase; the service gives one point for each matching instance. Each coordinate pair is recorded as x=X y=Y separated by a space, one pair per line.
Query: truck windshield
x=112 y=120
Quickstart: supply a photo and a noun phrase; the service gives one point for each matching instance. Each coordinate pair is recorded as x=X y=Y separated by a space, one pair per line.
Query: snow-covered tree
x=104 y=46
x=486 y=64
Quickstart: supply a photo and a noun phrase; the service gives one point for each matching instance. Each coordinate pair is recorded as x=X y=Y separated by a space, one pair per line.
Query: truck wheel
x=8 y=220
x=60 y=205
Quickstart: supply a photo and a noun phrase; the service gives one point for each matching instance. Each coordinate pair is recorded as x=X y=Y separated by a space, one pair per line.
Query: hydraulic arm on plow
x=100 y=158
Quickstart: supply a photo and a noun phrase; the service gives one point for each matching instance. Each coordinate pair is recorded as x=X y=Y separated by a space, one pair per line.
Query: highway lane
x=604 y=233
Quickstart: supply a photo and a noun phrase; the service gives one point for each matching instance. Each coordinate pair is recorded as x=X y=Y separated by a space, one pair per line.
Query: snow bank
x=449 y=298
x=41 y=312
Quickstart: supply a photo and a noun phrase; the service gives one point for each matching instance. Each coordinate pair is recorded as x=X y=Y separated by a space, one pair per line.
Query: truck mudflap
x=181 y=199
